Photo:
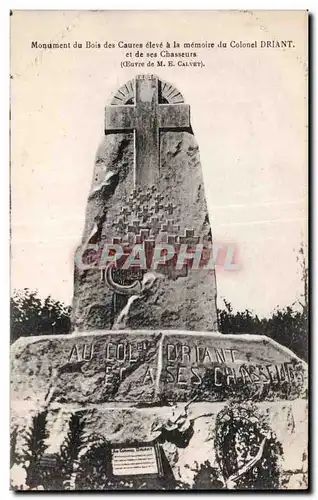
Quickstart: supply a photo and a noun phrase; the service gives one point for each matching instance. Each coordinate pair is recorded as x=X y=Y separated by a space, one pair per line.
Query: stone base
x=162 y=371
x=147 y=367
x=127 y=425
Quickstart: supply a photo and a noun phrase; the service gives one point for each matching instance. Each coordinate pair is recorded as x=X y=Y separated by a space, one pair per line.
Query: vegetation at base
x=35 y=448
x=83 y=461
x=239 y=434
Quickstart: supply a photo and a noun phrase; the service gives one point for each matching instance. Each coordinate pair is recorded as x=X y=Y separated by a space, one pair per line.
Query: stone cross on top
x=146 y=118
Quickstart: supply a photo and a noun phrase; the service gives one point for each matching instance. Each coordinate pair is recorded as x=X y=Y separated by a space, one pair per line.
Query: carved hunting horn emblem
x=133 y=289
x=140 y=284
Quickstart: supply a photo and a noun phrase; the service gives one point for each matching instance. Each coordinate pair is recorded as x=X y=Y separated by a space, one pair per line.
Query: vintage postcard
x=159 y=275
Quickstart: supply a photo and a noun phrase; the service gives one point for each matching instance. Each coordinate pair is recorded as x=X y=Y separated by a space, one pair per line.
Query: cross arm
x=174 y=116
x=119 y=118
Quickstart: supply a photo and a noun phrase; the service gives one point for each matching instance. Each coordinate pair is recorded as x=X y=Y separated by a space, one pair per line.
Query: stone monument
x=147 y=189
x=161 y=398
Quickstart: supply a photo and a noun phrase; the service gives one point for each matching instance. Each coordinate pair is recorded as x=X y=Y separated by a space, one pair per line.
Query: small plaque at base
x=136 y=460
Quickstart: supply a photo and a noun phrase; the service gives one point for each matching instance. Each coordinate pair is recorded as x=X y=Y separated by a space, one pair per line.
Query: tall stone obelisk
x=147 y=187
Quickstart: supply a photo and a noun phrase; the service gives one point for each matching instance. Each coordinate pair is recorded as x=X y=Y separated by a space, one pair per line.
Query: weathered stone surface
x=123 y=383
x=86 y=369
x=287 y=419
x=217 y=367
x=170 y=207
x=146 y=367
